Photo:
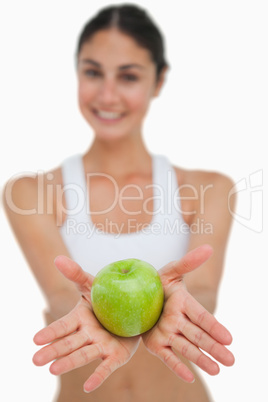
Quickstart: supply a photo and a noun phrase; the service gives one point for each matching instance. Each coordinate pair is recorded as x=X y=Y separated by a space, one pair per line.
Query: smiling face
x=116 y=82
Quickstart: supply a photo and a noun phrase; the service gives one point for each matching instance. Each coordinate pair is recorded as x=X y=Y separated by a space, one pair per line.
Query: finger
x=189 y=262
x=172 y=361
x=203 y=319
x=72 y=271
x=204 y=341
x=192 y=353
x=76 y=359
x=62 y=327
x=60 y=348
x=103 y=371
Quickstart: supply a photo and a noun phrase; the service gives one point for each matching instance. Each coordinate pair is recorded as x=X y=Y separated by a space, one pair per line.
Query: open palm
x=185 y=326
x=78 y=338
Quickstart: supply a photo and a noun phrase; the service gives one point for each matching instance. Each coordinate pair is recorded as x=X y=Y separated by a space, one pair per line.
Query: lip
x=108 y=120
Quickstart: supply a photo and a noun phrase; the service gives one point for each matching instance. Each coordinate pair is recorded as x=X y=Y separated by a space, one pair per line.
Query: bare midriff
x=145 y=378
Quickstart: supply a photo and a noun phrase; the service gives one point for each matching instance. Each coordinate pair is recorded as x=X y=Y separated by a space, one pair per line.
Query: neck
x=124 y=156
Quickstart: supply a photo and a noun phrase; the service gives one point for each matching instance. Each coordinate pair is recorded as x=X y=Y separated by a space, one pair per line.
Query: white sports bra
x=165 y=239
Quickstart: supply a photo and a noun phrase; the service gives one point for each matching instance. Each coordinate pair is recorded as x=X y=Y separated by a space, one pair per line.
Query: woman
x=119 y=201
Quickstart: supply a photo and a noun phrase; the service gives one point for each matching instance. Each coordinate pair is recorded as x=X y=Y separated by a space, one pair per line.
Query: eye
x=92 y=73
x=129 y=77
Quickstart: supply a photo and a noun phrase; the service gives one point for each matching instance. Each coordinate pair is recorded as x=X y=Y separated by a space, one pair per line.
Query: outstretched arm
x=78 y=338
x=185 y=326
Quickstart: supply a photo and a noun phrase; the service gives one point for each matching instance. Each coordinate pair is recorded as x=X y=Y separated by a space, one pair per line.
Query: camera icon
x=250 y=201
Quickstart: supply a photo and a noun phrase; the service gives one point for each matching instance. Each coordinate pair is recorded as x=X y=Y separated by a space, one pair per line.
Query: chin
x=114 y=134
x=110 y=136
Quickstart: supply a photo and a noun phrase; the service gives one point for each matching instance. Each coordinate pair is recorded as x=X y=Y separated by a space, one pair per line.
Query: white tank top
x=165 y=239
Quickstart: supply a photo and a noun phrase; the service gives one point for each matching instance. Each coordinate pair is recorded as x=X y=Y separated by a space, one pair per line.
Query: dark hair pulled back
x=133 y=21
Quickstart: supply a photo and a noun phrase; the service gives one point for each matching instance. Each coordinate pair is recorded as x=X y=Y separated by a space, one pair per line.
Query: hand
x=78 y=338
x=185 y=326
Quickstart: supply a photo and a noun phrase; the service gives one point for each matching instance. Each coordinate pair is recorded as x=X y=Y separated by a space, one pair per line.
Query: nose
x=108 y=91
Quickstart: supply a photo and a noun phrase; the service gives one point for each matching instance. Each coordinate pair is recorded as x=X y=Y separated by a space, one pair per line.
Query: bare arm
x=40 y=241
x=186 y=328
x=209 y=219
x=67 y=290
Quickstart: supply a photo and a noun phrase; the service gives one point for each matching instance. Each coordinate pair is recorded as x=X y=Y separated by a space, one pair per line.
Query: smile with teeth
x=108 y=115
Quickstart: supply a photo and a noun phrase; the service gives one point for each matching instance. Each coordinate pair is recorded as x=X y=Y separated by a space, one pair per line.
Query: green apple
x=127 y=297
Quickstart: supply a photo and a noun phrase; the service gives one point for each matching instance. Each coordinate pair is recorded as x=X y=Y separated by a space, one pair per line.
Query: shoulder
x=202 y=190
x=26 y=194
x=202 y=177
x=201 y=180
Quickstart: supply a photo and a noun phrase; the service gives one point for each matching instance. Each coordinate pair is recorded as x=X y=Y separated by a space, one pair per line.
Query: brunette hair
x=133 y=21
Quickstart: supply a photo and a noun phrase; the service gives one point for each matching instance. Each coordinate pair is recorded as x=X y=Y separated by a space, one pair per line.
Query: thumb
x=188 y=263
x=72 y=271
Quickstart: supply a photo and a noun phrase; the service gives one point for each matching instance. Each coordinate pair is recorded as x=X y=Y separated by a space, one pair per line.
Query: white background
x=212 y=114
